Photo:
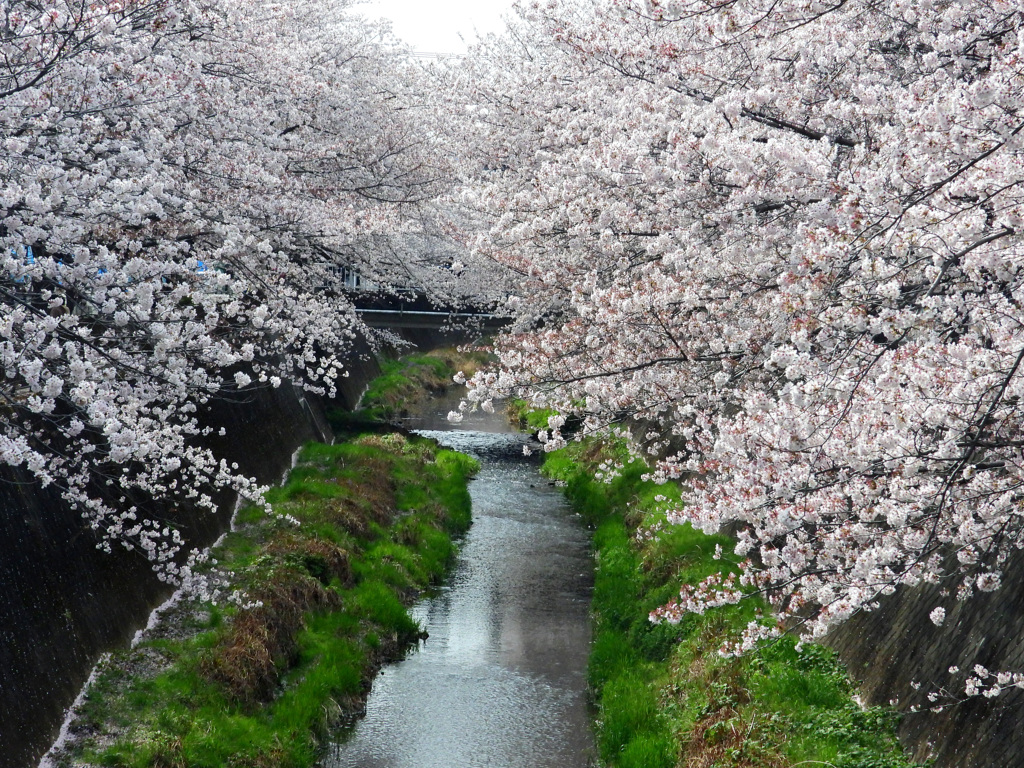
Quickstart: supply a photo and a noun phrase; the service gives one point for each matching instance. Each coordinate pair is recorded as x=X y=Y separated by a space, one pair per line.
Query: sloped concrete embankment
x=63 y=602
x=895 y=649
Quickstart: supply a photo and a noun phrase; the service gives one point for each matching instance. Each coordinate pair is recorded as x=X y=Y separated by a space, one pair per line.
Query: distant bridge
x=430 y=319
x=410 y=309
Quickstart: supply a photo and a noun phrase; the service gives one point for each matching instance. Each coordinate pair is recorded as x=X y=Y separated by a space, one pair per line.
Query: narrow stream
x=501 y=681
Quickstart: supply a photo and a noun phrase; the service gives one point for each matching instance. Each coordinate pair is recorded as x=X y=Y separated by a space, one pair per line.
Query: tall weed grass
x=258 y=686
x=665 y=698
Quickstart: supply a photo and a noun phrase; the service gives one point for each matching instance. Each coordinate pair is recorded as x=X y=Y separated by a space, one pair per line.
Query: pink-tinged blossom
x=183 y=187
x=796 y=283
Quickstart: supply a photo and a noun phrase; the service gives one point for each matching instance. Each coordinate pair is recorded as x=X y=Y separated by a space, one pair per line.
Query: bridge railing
x=430 y=319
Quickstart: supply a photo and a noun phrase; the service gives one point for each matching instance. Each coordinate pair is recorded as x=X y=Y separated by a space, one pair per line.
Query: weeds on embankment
x=407 y=381
x=325 y=605
x=528 y=418
x=664 y=696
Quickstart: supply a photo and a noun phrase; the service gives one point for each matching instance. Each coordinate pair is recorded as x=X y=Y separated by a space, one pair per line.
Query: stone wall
x=62 y=602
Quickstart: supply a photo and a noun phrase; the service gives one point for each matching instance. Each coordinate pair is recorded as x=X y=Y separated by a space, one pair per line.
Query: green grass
x=406 y=381
x=664 y=695
x=260 y=685
x=529 y=418
x=402 y=381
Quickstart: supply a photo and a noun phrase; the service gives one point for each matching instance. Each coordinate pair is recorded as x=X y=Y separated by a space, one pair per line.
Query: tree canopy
x=183 y=184
x=778 y=246
x=775 y=245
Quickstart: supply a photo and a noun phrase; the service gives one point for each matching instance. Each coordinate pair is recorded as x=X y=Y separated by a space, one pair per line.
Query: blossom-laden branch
x=183 y=187
x=778 y=245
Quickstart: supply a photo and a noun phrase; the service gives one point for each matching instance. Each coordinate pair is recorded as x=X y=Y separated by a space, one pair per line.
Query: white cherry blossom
x=778 y=246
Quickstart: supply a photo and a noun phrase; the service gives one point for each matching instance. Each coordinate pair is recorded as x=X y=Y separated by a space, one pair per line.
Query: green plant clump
x=665 y=696
x=407 y=381
x=527 y=417
x=358 y=530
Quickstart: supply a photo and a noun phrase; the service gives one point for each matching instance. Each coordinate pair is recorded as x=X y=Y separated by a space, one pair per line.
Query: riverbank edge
x=407 y=382
x=226 y=684
x=663 y=694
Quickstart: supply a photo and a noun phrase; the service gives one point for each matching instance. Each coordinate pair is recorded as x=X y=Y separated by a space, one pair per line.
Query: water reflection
x=501 y=680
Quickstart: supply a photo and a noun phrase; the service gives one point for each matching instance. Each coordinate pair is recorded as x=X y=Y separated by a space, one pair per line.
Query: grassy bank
x=527 y=418
x=325 y=597
x=665 y=697
x=407 y=381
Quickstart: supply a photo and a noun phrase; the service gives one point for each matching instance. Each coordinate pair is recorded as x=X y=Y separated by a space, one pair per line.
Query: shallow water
x=501 y=680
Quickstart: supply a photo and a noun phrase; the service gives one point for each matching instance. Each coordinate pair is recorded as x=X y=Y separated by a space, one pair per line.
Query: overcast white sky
x=433 y=26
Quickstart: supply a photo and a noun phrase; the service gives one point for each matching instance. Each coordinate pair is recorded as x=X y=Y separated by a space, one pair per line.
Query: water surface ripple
x=500 y=683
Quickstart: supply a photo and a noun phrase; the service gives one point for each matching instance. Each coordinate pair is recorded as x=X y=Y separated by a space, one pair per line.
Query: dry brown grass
x=323 y=559
x=725 y=736
x=348 y=515
x=261 y=641
x=368 y=499
x=468 y=360
x=721 y=739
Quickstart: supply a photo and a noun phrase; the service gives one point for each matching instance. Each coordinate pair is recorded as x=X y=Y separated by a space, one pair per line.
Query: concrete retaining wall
x=892 y=649
x=63 y=602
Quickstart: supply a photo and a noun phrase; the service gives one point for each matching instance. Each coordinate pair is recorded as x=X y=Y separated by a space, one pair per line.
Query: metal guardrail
x=399 y=318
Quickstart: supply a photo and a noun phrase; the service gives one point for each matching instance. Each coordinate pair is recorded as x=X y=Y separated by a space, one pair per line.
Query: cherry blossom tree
x=777 y=245
x=183 y=184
